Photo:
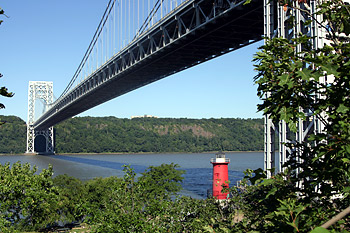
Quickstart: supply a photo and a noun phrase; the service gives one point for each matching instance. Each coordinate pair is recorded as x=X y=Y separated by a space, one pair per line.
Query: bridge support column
x=44 y=91
x=276 y=25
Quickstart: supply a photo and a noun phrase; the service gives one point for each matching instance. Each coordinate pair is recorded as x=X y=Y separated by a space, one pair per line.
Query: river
x=197 y=179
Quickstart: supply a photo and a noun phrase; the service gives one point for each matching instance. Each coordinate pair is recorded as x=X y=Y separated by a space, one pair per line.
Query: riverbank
x=133 y=153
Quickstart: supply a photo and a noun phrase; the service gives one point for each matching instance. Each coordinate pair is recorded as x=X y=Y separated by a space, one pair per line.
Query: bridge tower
x=39 y=90
x=276 y=25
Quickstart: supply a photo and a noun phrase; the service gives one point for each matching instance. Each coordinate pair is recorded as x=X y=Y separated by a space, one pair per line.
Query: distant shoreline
x=134 y=153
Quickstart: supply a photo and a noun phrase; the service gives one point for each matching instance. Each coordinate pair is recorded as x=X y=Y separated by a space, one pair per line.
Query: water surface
x=197 y=179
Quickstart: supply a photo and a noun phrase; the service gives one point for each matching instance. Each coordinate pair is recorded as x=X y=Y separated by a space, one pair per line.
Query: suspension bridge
x=141 y=41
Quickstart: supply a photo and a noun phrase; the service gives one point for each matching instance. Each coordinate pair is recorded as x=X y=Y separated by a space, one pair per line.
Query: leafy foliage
x=72 y=193
x=26 y=198
x=162 y=181
x=12 y=135
x=293 y=81
x=31 y=201
x=146 y=203
x=298 y=84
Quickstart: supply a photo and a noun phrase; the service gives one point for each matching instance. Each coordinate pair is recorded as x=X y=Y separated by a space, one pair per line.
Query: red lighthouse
x=220 y=175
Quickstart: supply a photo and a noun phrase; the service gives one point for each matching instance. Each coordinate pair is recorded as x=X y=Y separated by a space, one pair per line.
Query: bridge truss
x=276 y=24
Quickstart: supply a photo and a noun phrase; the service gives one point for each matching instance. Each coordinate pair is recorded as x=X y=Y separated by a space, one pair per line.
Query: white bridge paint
x=39 y=90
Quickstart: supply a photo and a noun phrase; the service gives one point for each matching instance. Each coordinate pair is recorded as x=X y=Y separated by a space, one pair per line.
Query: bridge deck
x=170 y=47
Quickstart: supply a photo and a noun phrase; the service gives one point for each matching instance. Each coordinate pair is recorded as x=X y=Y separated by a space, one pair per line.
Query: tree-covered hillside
x=110 y=134
x=12 y=135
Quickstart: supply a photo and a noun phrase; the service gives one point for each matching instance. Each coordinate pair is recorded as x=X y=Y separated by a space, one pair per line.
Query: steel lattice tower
x=39 y=90
x=276 y=25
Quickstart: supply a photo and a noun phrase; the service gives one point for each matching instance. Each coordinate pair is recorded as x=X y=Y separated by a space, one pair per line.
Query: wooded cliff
x=111 y=134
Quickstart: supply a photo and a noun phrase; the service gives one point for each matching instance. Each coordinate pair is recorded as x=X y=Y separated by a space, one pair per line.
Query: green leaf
x=342 y=108
x=268 y=182
x=293 y=127
x=346 y=28
x=305 y=74
x=345 y=160
x=208 y=229
x=247 y=2
x=320 y=230
x=284 y=79
x=330 y=69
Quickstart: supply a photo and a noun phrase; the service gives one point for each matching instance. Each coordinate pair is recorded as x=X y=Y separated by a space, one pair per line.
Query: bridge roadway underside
x=232 y=30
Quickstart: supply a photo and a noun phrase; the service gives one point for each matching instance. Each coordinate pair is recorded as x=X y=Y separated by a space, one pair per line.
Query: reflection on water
x=100 y=163
x=197 y=179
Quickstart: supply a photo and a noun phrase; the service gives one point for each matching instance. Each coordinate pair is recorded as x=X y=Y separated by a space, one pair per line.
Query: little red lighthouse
x=220 y=175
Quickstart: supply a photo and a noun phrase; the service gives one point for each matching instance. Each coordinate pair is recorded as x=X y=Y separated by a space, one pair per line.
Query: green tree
x=27 y=200
x=162 y=181
x=293 y=81
x=289 y=83
x=72 y=193
x=12 y=135
x=133 y=205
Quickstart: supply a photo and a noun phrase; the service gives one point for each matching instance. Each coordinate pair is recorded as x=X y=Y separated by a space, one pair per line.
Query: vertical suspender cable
x=125 y=23
x=104 y=43
x=148 y=11
x=102 y=51
x=96 y=55
x=86 y=56
x=109 y=36
x=129 y=24
x=114 y=29
x=120 y=25
x=107 y=40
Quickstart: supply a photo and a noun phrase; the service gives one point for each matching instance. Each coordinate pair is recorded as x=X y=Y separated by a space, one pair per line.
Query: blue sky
x=45 y=40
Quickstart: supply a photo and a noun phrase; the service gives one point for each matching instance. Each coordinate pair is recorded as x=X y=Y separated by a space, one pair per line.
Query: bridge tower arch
x=39 y=90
